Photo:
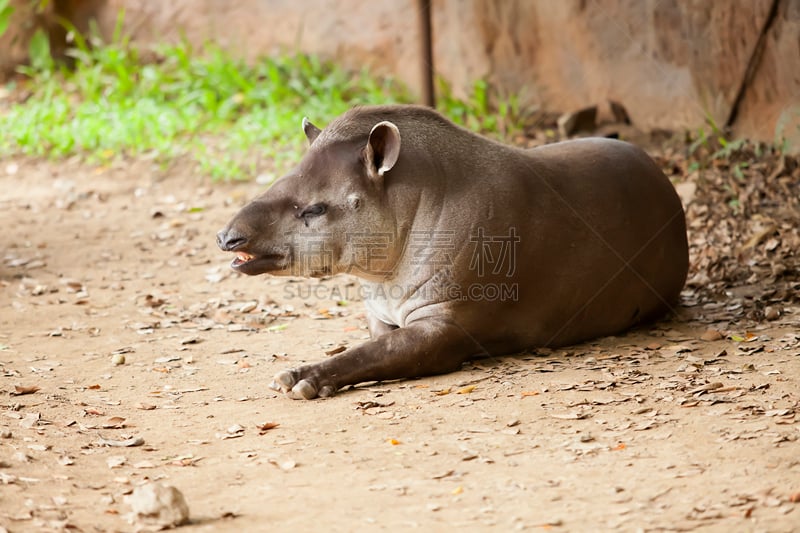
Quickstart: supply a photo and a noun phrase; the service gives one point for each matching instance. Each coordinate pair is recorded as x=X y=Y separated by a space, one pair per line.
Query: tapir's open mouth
x=250 y=264
x=241 y=258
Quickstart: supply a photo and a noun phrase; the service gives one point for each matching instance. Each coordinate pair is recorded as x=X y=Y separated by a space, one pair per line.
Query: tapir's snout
x=229 y=239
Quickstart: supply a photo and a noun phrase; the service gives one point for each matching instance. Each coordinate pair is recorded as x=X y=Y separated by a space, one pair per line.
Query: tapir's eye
x=314 y=211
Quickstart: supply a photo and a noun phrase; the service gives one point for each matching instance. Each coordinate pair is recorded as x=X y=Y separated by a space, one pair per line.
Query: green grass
x=231 y=118
x=482 y=110
x=223 y=113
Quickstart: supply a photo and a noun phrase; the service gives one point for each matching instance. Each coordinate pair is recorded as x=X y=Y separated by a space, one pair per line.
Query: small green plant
x=5 y=16
x=226 y=115
x=231 y=118
x=482 y=111
x=713 y=145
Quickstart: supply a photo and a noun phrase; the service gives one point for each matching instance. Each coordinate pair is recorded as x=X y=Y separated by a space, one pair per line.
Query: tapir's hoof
x=304 y=389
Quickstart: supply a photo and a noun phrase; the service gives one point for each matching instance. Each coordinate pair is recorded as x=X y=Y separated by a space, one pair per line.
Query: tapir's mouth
x=241 y=258
x=251 y=264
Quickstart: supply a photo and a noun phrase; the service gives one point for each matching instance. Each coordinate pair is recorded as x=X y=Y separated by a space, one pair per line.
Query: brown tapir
x=466 y=247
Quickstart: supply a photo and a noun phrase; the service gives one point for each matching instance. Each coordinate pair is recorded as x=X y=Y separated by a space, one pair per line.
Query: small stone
x=118 y=359
x=772 y=313
x=159 y=505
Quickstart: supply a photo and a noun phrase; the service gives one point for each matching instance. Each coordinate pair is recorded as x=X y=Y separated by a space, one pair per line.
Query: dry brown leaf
x=575 y=415
x=263 y=428
x=185 y=460
x=711 y=335
x=126 y=443
x=115 y=422
x=20 y=390
x=339 y=349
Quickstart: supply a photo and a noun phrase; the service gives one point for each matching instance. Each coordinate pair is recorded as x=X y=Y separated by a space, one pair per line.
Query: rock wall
x=672 y=64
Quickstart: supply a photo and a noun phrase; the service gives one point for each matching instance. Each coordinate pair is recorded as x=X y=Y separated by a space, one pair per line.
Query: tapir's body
x=466 y=246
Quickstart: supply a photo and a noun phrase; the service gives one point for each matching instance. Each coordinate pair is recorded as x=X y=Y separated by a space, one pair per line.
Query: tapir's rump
x=465 y=246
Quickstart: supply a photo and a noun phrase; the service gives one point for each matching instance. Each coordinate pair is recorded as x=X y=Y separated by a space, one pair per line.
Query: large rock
x=770 y=107
x=671 y=64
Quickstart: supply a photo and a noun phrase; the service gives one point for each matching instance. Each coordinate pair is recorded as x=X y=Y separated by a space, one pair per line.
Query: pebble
x=159 y=505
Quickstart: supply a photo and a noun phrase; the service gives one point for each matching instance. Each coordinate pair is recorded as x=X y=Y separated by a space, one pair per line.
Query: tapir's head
x=328 y=214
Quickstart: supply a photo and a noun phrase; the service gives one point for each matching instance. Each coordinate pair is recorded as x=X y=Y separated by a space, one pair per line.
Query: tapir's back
x=602 y=241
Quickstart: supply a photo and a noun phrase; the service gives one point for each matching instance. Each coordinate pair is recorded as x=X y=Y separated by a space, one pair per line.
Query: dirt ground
x=121 y=323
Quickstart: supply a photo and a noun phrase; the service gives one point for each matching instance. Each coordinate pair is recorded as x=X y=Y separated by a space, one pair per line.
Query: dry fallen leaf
x=466 y=390
x=263 y=428
x=711 y=335
x=185 y=460
x=20 y=390
x=115 y=422
x=233 y=432
x=133 y=441
x=339 y=349
x=575 y=415
x=116 y=461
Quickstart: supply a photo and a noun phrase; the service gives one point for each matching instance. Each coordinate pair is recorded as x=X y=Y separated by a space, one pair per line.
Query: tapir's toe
x=303 y=390
x=283 y=381
x=300 y=389
x=327 y=391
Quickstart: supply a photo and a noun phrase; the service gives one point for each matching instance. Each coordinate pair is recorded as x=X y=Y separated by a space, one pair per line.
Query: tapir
x=465 y=247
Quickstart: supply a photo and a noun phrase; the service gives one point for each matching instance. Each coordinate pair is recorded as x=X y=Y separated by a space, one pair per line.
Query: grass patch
x=230 y=117
x=225 y=114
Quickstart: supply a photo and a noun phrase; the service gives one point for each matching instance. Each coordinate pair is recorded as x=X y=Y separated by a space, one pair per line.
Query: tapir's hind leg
x=425 y=347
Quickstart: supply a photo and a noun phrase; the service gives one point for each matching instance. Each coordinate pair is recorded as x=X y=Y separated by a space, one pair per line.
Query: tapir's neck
x=443 y=173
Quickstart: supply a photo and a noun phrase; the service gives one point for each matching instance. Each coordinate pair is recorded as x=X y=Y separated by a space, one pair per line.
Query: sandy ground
x=669 y=428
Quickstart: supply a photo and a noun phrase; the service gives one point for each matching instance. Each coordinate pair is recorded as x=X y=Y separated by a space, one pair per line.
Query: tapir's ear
x=383 y=148
x=311 y=131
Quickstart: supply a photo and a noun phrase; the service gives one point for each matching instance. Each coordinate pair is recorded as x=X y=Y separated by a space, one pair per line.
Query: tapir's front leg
x=378 y=327
x=425 y=347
